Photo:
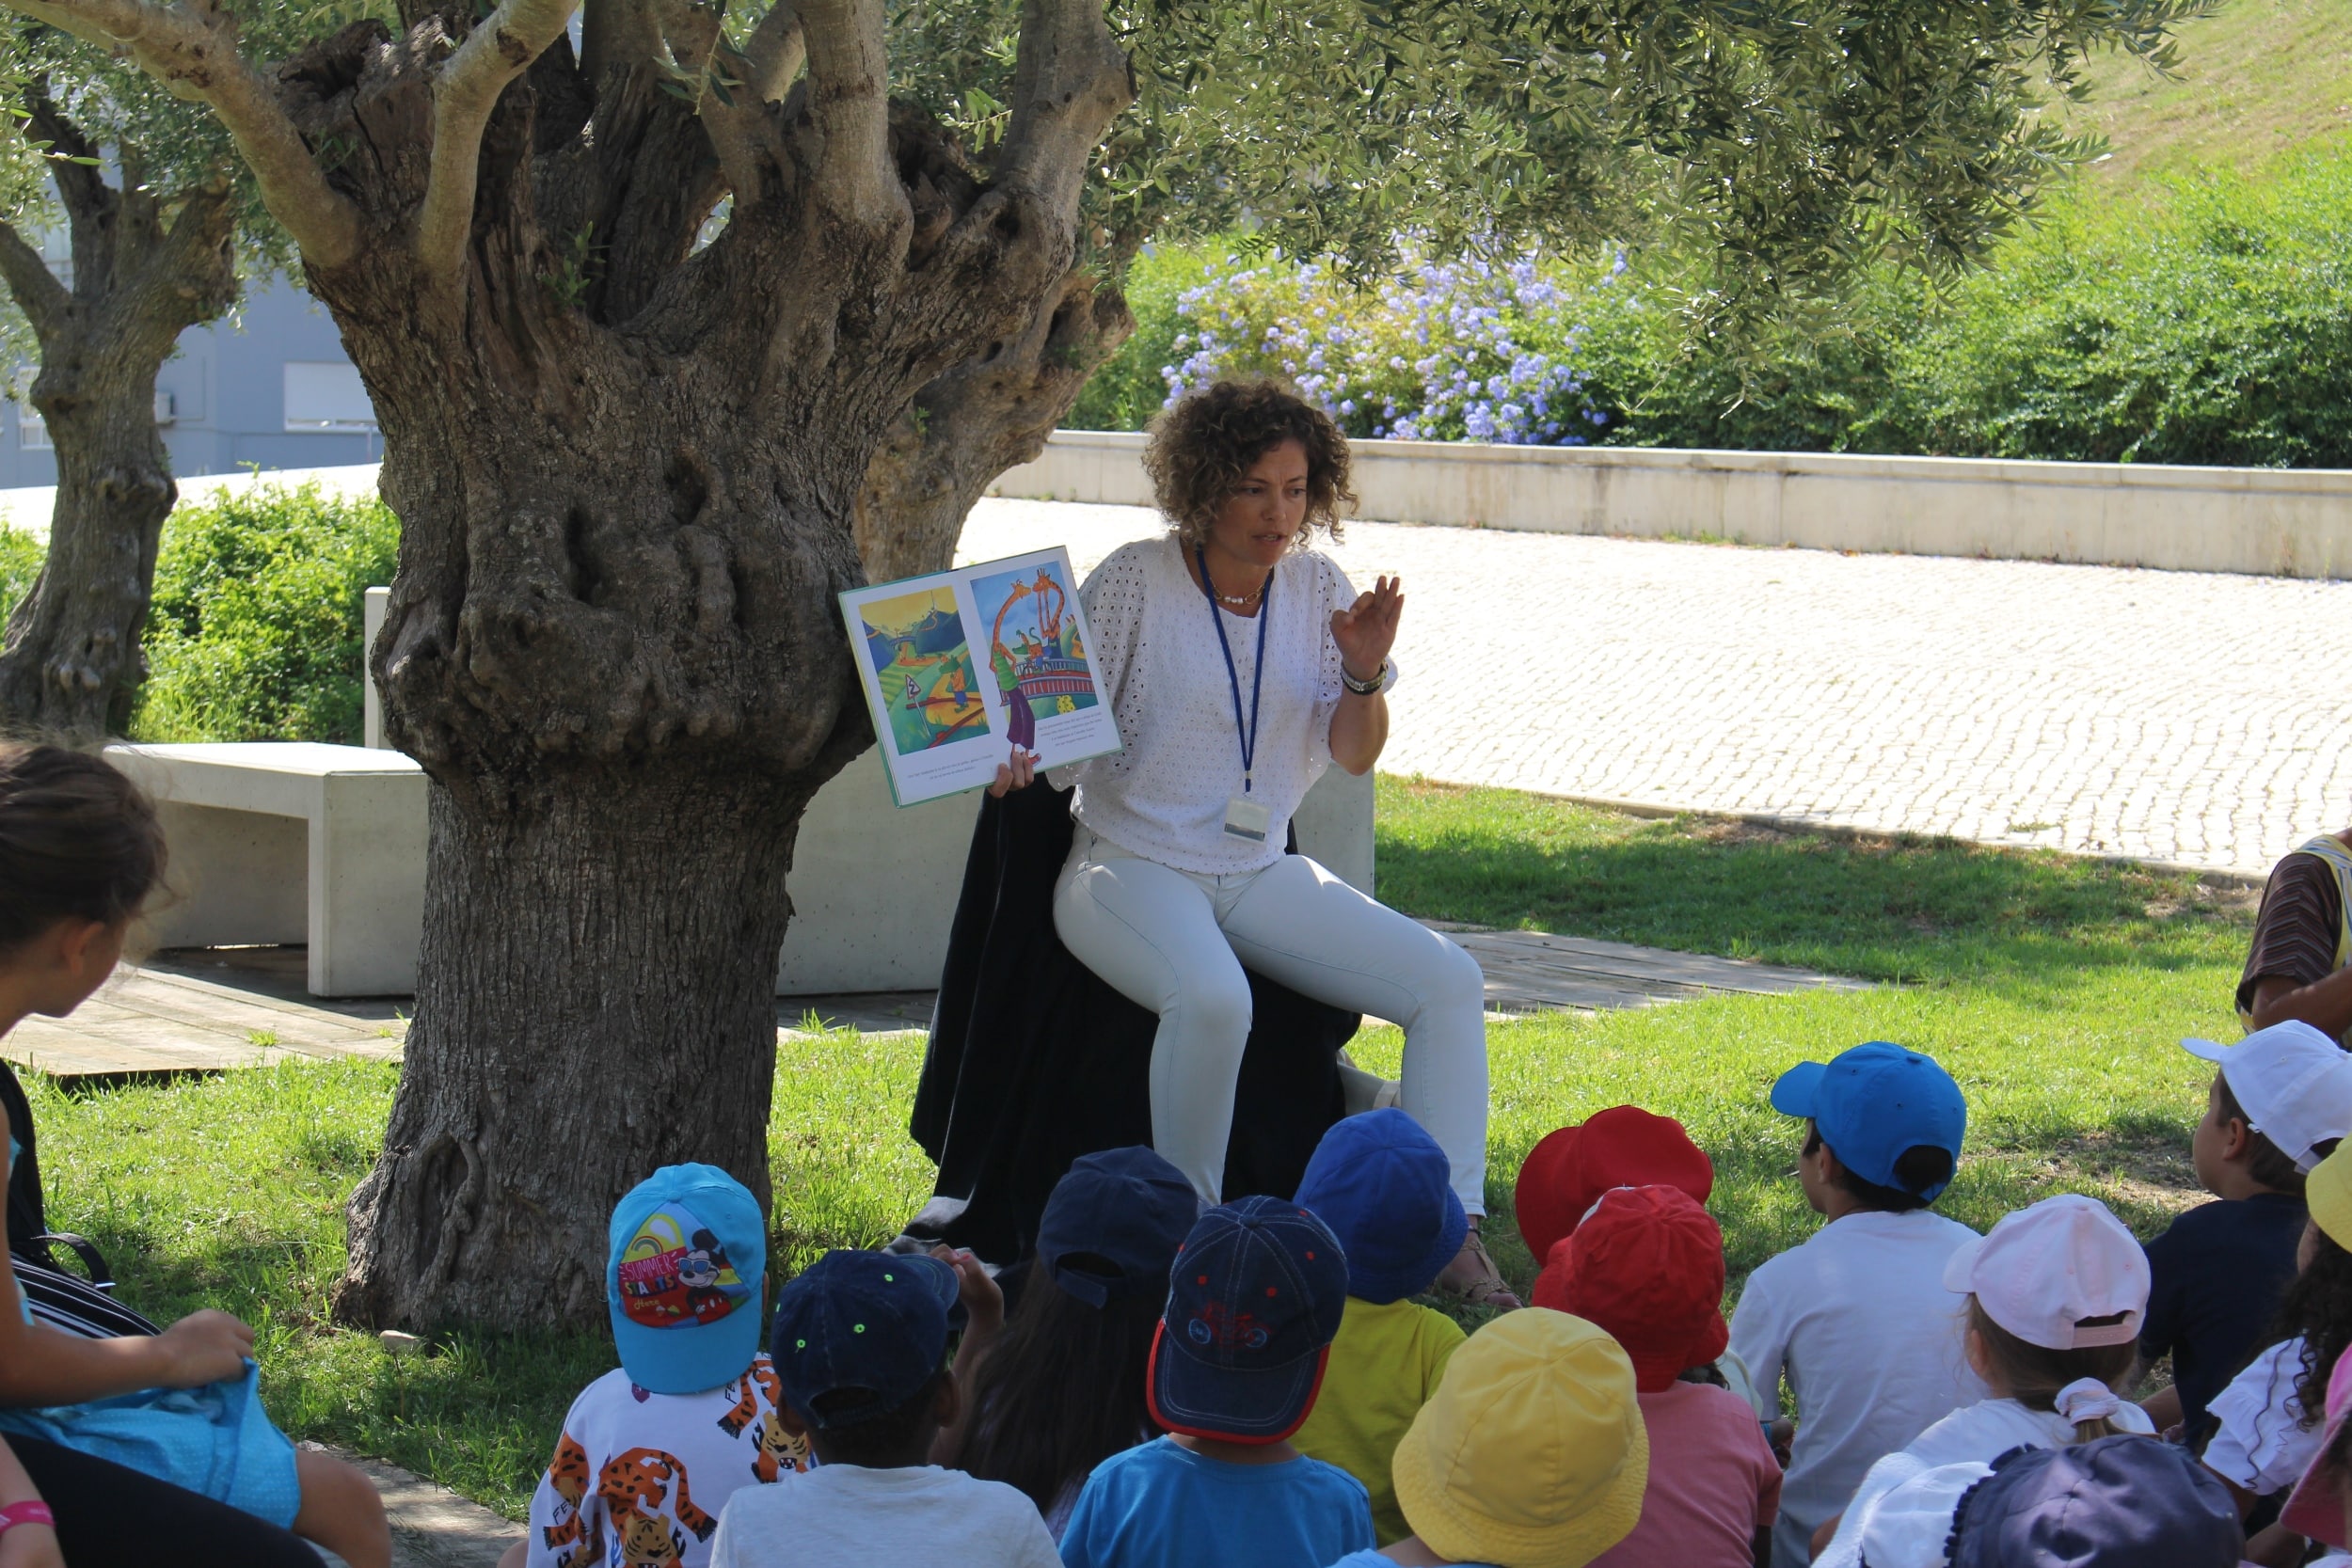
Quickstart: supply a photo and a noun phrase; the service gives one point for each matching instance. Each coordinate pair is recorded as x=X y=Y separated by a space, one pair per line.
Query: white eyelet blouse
x=1155 y=652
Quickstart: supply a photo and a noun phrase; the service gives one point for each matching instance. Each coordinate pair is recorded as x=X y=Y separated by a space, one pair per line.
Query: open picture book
x=960 y=666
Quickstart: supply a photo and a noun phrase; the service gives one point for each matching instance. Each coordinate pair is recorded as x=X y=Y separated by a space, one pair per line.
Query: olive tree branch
x=849 y=99
x=740 y=125
x=39 y=294
x=500 y=47
x=1072 y=80
x=191 y=49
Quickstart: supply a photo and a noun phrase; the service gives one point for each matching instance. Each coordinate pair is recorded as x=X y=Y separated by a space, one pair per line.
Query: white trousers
x=1175 y=942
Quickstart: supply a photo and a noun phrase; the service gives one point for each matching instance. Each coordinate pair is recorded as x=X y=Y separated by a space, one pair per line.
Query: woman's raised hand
x=1366 y=630
x=1015 y=774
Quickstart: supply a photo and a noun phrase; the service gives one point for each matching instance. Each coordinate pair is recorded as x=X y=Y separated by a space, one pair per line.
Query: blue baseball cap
x=687 y=1254
x=1253 y=1304
x=1385 y=1190
x=1114 y=1223
x=1873 y=1103
x=873 y=1324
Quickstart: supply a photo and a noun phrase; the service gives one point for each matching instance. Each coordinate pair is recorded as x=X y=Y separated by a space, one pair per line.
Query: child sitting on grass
x=1857 y=1318
x=2113 y=1502
x=2053 y=1295
x=1253 y=1302
x=2267 y=1430
x=1383 y=1186
x=652 y=1451
x=1532 y=1454
x=134 y=1440
x=1647 y=1266
x=2280 y=1100
x=860 y=1347
x=1063 y=1389
x=1564 y=1175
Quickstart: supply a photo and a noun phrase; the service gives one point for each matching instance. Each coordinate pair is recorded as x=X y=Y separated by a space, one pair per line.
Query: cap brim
x=1200 y=1401
x=2212 y=1050
x=1796 y=1092
x=1960 y=1269
x=688 y=1360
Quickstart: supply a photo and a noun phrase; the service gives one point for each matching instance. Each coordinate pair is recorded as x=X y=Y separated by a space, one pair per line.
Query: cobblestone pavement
x=2191 y=717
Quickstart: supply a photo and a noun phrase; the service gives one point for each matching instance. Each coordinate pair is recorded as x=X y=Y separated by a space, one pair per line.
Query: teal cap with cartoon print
x=689 y=1252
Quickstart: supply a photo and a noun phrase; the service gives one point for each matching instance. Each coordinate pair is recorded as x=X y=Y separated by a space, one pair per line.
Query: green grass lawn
x=2053 y=988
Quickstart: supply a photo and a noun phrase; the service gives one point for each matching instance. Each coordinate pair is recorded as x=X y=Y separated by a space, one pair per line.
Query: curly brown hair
x=1202 y=446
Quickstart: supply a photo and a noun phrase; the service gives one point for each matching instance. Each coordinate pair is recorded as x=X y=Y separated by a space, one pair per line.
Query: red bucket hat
x=1622 y=1147
x=1648 y=1269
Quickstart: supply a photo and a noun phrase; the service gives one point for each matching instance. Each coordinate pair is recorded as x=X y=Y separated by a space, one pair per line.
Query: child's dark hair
x=1062 y=1391
x=77 y=841
x=1920 y=1165
x=2265 y=1162
x=888 y=1441
x=2318 y=1307
x=2034 y=1373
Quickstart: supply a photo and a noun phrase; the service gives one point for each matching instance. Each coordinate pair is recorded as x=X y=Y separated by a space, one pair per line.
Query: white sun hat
x=2293 y=1084
x=2062 y=1274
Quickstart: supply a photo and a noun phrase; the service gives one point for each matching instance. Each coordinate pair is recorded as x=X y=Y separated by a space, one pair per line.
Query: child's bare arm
x=26 y=1545
x=39 y=1365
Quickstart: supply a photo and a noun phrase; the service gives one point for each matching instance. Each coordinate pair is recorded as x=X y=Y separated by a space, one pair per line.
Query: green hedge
x=20 y=556
x=2203 y=318
x=257 y=629
x=257 y=625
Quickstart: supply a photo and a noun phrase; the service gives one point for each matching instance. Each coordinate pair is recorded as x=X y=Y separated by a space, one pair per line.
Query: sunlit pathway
x=2173 y=716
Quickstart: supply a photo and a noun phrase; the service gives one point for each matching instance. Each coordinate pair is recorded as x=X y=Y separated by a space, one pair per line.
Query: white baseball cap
x=2048 y=1268
x=2293 y=1081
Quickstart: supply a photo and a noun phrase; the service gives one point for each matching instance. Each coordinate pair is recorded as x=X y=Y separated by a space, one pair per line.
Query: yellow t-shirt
x=1384 y=1367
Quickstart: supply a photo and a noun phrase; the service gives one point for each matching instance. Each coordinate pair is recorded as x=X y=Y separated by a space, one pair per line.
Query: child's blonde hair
x=2033 y=1374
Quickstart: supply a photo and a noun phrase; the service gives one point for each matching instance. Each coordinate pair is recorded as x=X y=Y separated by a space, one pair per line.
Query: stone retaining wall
x=2262 y=521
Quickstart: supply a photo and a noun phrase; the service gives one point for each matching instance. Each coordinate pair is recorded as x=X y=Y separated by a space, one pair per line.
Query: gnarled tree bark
x=980 y=419
x=144 y=271
x=627 y=471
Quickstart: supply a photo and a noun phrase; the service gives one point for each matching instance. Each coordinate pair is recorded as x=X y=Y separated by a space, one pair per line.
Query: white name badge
x=1246 y=818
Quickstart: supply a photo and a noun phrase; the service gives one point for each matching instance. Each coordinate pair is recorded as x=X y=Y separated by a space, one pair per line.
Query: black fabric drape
x=1035 y=1061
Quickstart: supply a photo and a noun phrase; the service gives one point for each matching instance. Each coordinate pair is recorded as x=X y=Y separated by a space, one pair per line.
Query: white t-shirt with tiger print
x=641 y=1477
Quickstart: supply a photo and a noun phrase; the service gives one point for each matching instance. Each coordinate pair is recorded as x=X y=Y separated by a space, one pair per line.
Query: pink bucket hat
x=2316 y=1507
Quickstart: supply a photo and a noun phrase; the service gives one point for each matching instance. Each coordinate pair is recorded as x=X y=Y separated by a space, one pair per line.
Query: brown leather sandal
x=1480 y=1286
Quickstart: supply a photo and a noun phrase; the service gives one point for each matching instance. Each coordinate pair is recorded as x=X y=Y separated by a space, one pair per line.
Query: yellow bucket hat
x=2327 y=1193
x=1533 y=1453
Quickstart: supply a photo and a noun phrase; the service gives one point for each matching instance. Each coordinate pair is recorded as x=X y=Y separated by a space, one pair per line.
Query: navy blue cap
x=1385 y=1190
x=873 y=1324
x=1253 y=1304
x=1113 y=1223
x=2126 y=1501
x=1872 y=1103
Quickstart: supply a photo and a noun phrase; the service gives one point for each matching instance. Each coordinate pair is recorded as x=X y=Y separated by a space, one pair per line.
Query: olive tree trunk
x=627 y=467
x=145 y=270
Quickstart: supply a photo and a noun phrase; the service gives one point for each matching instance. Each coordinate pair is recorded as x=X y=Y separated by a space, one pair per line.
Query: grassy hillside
x=2257 y=78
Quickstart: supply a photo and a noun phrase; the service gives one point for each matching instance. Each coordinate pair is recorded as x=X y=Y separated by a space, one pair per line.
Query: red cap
x=1622 y=1147
x=1647 y=1269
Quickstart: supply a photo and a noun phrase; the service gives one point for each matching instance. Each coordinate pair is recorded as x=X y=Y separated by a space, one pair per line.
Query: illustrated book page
x=960 y=666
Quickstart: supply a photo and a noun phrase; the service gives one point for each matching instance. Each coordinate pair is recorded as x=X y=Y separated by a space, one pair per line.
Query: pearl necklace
x=1242 y=601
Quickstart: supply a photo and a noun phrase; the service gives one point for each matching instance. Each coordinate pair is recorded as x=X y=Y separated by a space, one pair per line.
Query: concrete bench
x=293 y=842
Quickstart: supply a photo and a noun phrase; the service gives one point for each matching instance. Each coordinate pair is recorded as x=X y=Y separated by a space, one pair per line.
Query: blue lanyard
x=1257 y=676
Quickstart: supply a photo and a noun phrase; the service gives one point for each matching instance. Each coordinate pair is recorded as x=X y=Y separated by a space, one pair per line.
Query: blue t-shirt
x=1163 y=1506
x=2216 y=1279
x=1374 y=1560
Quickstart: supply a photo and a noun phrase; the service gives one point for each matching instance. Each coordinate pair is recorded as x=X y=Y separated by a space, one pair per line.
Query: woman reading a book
x=1240 y=662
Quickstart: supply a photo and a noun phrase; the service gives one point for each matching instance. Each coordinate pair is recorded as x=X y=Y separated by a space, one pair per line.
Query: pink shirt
x=1713 y=1483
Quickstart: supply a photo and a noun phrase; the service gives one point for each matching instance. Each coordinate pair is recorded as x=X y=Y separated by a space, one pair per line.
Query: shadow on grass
x=1918 y=911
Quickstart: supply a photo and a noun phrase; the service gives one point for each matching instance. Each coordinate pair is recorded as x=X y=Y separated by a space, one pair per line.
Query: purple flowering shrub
x=1439 y=351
